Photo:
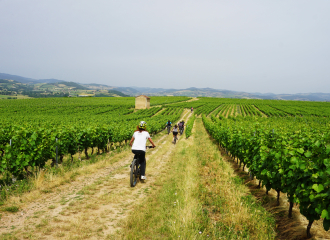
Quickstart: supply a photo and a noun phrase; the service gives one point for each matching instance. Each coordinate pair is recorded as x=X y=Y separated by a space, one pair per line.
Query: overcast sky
x=264 y=46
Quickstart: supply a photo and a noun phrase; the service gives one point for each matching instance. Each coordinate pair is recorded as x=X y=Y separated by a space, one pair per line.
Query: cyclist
x=181 y=126
x=168 y=126
x=140 y=138
x=192 y=109
x=175 y=131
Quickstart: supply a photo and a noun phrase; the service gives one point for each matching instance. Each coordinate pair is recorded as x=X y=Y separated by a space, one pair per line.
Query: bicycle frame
x=168 y=129
x=175 y=138
x=135 y=169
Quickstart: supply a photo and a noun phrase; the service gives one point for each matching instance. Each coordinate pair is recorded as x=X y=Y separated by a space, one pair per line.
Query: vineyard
x=285 y=145
x=289 y=151
x=32 y=130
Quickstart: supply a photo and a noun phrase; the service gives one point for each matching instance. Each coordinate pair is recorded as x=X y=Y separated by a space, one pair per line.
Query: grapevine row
x=292 y=158
x=22 y=147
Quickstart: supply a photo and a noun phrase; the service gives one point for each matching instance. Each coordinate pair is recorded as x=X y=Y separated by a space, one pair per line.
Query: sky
x=262 y=46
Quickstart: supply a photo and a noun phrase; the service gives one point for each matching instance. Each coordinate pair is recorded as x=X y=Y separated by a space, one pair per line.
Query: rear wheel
x=134 y=177
x=175 y=138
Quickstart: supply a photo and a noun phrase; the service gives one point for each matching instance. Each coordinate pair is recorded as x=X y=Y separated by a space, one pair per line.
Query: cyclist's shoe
x=143 y=177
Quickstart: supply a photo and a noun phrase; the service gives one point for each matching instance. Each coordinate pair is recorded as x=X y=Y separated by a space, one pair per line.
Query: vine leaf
x=326 y=224
x=327 y=162
x=318 y=187
x=308 y=154
x=300 y=150
x=325 y=214
x=317 y=143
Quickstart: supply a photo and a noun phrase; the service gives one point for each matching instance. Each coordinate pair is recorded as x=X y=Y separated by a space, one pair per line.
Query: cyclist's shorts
x=175 y=133
x=141 y=153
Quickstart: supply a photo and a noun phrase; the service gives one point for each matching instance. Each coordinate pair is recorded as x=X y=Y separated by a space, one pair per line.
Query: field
x=15 y=96
x=244 y=169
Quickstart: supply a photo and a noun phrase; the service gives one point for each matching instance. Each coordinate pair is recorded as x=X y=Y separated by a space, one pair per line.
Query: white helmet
x=143 y=125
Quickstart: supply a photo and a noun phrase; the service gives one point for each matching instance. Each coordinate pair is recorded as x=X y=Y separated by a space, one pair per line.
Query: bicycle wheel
x=175 y=138
x=133 y=177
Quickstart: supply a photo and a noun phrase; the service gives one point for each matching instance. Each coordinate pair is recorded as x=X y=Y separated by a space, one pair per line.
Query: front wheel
x=134 y=173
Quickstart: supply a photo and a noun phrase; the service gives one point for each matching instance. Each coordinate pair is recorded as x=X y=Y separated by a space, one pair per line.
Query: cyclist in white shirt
x=138 y=144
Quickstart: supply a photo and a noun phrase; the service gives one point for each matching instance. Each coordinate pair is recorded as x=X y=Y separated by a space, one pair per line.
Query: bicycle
x=135 y=169
x=175 y=139
x=181 y=130
x=168 y=129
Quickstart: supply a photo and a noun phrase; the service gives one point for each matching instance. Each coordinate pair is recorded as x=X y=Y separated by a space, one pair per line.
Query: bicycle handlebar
x=150 y=146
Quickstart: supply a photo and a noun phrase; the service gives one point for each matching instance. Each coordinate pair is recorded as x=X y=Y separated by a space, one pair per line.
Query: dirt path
x=92 y=206
x=193 y=99
x=198 y=198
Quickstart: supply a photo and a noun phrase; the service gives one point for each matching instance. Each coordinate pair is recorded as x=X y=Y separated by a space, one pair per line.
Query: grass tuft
x=12 y=209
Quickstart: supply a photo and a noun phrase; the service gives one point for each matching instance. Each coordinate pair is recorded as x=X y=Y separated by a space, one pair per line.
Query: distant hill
x=16 y=85
x=8 y=87
x=97 y=86
x=27 y=80
x=128 y=91
x=210 y=92
x=17 y=78
x=52 y=86
x=190 y=92
x=52 y=80
x=117 y=93
x=62 y=85
x=110 y=93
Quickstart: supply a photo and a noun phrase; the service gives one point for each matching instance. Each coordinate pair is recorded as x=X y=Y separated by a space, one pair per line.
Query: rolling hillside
x=12 y=87
x=210 y=92
x=55 y=87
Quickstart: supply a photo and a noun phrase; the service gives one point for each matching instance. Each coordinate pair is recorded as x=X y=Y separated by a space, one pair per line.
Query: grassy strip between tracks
x=173 y=210
x=199 y=197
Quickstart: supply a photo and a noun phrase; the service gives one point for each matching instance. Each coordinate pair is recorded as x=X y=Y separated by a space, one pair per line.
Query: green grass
x=229 y=209
x=12 y=209
x=192 y=201
x=172 y=210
